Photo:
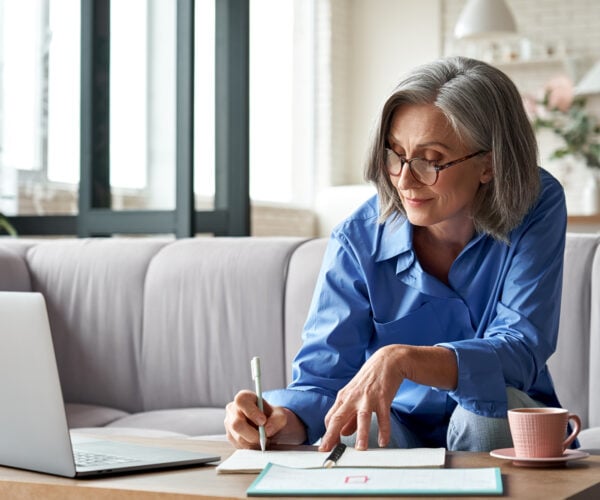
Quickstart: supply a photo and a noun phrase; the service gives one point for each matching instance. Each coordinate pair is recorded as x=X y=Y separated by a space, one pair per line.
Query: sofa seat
x=589 y=439
x=84 y=415
x=187 y=421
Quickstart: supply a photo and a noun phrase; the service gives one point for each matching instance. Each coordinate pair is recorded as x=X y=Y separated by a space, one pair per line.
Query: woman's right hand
x=242 y=418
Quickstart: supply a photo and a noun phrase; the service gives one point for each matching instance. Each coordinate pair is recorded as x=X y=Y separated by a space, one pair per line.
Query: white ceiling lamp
x=590 y=83
x=485 y=19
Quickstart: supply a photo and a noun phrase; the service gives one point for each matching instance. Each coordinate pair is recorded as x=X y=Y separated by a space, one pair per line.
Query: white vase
x=580 y=182
x=591 y=195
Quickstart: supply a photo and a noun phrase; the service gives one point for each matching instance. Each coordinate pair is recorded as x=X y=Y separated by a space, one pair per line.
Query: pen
x=334 y=456
x=255 y=366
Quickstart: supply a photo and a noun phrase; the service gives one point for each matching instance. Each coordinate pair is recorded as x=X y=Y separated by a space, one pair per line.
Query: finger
x=231 y=424
x=337 y=421
x=246 y=401
x=384 y=424
x=349 y=428
x=242 y=430
x=334 y=408
x=363 y=426
x=267 y=408
x=240 y=442
x=276 y=421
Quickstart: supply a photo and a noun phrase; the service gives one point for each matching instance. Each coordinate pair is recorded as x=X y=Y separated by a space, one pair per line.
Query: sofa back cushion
x=94 y=294
x=570 y=364
x=211 y=304
x=594 y=389
x=302 y=277
x=14 y=275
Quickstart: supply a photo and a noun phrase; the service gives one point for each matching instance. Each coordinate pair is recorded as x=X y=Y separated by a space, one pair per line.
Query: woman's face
x=422 y=131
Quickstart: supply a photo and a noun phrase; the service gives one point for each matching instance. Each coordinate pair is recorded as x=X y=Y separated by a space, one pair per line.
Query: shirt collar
x=395 y=240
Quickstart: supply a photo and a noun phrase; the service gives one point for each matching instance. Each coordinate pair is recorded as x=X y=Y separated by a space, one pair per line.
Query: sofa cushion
x=594 y=391
x=110 y=432
x=211 y=304
x=94 y=294
x=589 y=439
x=81 y=415
x=570 y=365
x=302 y=277
x=188 y=421
x=14 y=276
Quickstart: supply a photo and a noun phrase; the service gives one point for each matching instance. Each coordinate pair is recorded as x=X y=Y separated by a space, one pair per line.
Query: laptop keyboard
x=86 y=459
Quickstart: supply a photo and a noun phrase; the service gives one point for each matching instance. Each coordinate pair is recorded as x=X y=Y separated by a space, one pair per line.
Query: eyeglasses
x=423 y=171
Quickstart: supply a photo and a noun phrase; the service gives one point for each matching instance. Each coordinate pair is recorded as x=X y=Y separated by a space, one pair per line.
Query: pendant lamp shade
x=485 y=19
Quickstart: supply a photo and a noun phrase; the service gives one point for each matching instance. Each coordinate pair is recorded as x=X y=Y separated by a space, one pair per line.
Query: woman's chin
x=418 y=218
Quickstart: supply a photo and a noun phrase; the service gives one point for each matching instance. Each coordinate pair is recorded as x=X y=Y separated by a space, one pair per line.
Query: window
x=39 y=104
x=43 y=130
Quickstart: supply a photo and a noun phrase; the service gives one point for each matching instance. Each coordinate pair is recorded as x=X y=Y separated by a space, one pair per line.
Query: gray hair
x=486 y=111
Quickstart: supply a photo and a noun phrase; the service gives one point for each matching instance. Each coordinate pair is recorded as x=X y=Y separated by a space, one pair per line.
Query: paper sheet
x=253 y=461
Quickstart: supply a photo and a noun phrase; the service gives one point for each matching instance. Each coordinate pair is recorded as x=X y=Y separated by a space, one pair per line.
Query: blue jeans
x=467 y=431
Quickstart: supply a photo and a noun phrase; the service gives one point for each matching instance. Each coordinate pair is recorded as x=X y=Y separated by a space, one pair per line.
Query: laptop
x=33 y=425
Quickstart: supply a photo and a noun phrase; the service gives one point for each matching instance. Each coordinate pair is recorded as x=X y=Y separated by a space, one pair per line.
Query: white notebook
x=253 y=461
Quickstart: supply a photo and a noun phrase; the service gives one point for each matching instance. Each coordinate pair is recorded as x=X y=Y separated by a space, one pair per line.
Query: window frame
x=231 y=213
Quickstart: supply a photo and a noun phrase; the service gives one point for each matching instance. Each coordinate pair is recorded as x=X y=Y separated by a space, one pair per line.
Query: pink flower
x=530 y=103
x=560 y=92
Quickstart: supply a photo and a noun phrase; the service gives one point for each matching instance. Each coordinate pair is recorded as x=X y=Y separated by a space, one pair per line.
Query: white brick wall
x=575 y=23
x=563 y=37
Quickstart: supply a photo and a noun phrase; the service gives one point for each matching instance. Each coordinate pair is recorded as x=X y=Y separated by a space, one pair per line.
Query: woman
x=438 y=301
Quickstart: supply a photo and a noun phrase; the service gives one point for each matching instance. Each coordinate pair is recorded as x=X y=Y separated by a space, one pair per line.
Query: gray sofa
x=157 y=334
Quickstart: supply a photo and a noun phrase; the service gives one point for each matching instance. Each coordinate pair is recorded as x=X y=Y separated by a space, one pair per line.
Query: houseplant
x=6 y=226
x=565 y=114
x=563 y=121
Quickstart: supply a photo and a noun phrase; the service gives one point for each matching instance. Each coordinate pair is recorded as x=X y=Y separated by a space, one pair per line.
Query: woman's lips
x=416 y=202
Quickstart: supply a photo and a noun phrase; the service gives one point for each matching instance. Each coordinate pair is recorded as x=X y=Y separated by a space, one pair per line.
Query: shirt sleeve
x=335 y=338
x=523 y=330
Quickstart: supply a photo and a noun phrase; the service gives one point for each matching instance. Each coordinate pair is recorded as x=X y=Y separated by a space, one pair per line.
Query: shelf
x=522 y=71
x=584 y=219
x=525 y=63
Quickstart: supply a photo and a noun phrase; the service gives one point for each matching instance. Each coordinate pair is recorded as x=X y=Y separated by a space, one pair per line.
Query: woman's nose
x=406 y=179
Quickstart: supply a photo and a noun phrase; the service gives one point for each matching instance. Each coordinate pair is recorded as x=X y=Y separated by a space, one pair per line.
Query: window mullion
x=94 y=187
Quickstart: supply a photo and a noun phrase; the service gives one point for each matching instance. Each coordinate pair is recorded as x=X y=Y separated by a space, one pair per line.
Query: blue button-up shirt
x=499 y=314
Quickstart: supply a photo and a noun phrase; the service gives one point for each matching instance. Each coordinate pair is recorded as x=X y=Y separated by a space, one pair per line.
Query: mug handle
x=576 y=428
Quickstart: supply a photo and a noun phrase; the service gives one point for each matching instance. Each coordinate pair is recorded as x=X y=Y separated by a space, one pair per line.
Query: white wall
x=386 y=38
x=378 y=40
x=374 y=42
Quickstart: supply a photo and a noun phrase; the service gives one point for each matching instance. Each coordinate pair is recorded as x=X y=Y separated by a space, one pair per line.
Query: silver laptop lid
x=33 y=427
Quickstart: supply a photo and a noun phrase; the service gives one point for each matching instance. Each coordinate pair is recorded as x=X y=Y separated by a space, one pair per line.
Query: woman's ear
x=487 y=172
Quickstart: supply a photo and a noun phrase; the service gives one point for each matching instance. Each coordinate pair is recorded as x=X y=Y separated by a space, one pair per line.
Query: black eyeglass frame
x=437 y=168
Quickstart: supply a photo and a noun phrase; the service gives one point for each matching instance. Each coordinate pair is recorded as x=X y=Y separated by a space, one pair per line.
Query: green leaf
x=7 y=226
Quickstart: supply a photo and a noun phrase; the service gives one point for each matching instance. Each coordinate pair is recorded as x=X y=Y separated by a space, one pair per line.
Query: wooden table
x=204 y=482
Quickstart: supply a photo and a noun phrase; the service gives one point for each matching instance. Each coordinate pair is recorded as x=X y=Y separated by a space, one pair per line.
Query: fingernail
x=360 y=445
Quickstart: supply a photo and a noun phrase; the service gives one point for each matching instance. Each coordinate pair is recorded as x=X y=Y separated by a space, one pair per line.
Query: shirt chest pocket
x=419 y=327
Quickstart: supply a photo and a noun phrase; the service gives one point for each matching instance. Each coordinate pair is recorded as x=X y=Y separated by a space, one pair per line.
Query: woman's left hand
x=372 y=389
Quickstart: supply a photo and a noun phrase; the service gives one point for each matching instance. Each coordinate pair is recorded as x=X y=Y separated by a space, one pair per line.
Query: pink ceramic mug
x=540 y=432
